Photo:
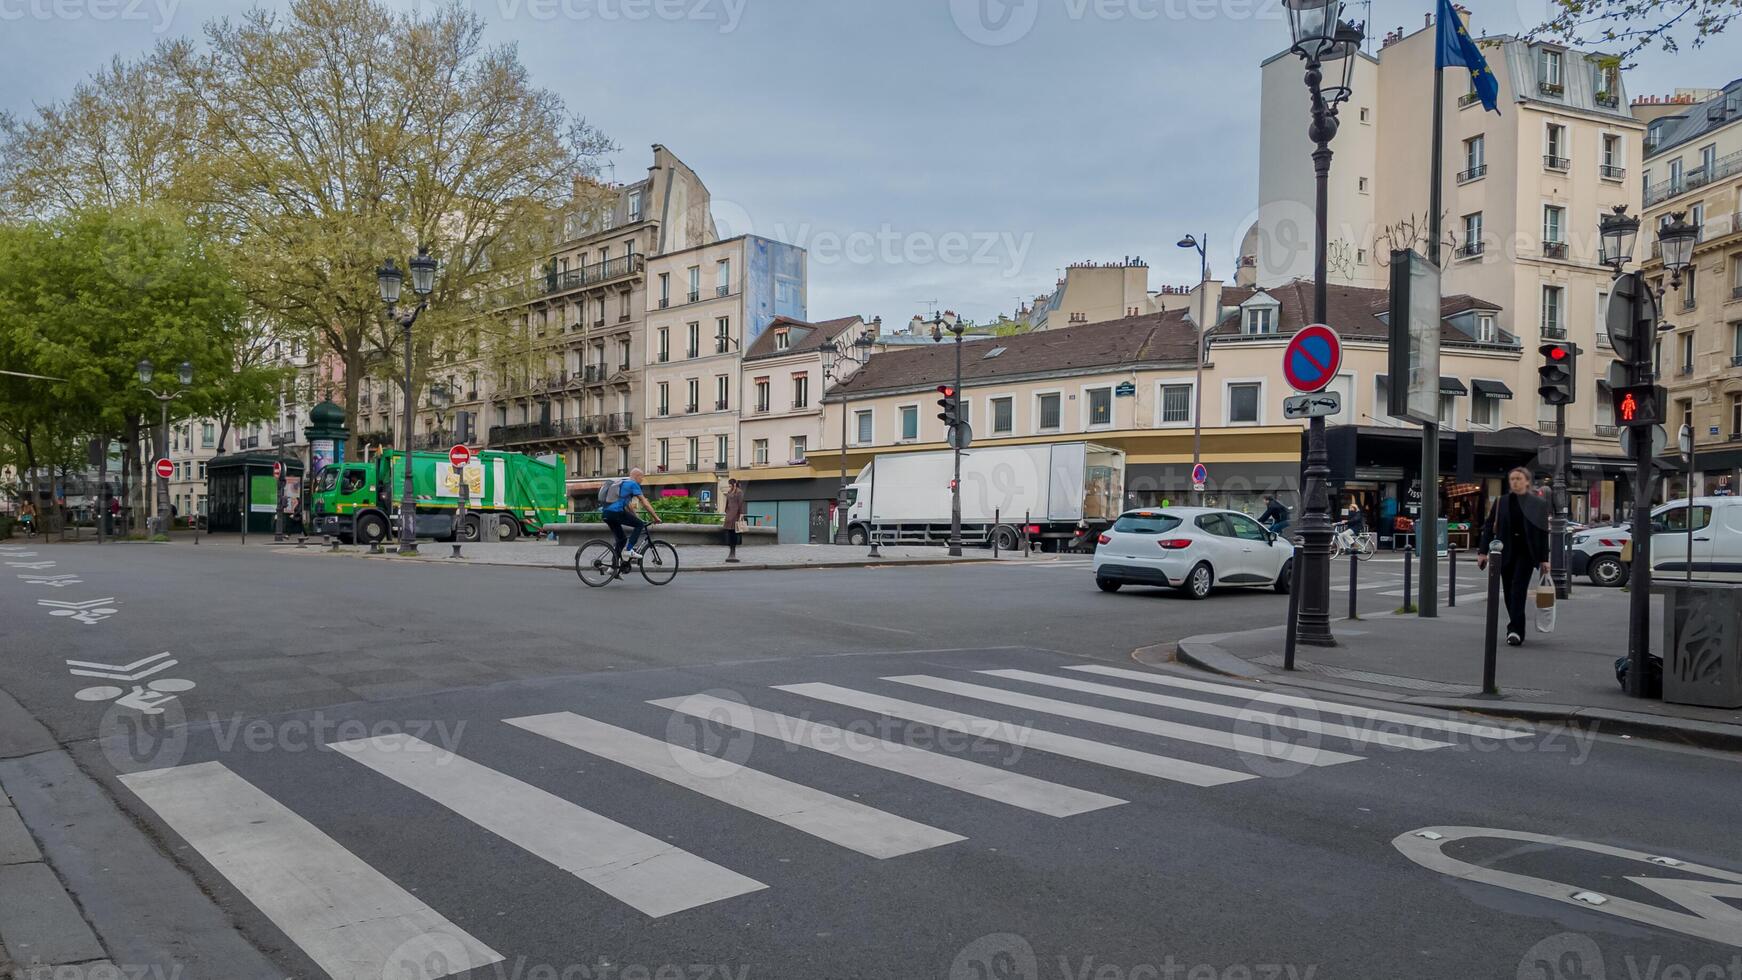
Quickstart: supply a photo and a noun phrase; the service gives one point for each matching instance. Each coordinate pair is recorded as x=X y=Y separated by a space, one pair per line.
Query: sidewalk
x=1567 y=676
x=692 y=558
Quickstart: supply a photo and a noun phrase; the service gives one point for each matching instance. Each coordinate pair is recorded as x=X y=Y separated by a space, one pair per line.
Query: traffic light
x=1559 y=386
x=1637 y=405
x=951 y=415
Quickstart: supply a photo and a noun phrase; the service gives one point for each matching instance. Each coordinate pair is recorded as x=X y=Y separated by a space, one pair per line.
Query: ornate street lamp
x=835 y=355
x=1676 y=241
x=185 y=375
x=1619 y=229
x=390 y=280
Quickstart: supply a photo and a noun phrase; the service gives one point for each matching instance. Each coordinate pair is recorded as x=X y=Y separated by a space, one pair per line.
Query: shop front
x=800 y=509
x=1236 y=486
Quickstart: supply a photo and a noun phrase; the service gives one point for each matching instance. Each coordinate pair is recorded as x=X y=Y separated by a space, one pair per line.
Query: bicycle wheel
x=658 y=562
x=1336 y=546
x=593 y=563
x=1364 y=548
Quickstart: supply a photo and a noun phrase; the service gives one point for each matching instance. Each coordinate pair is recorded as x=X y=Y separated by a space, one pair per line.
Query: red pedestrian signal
x=1629 y=408
x=1637 y=405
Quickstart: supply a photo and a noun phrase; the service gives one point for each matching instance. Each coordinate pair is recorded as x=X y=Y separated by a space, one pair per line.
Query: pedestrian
x=733 y=515
x=27 y=517
x=1519 y=522
x=1275 y=516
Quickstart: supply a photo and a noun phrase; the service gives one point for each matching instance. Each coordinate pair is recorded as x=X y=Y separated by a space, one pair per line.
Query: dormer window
x=1260 y=320
x=1550 y=78
x=782 y=339
x=1486 y=332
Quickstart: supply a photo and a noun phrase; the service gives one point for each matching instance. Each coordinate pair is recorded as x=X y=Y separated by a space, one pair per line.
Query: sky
x=949 y=154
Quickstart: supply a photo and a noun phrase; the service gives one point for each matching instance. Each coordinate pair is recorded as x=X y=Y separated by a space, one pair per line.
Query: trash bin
x=1702 y=642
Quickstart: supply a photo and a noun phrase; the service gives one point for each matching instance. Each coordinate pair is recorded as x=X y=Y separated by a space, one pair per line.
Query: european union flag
x=1458 y=50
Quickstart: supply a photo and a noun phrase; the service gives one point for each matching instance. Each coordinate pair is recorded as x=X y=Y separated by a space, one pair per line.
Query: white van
x=1716 y=539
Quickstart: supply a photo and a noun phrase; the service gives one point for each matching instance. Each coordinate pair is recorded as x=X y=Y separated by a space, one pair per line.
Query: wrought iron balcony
x=1554 y=250
x=1477 y=172
x=1553 y=162
x=1611 y=172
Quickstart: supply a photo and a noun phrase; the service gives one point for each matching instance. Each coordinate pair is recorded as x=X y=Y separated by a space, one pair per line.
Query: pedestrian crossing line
x=849 y=824
x=1302 y=753
x=351 y=920
x=643 y=872
x=978 y=779
x=1027 y=737
x=1327 y=707
x=1387 y=739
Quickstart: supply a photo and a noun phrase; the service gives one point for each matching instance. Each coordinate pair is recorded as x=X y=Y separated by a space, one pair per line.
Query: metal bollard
x=1293 y=611
x=1491 y=634
x=1354 y=576
x=997 y=521
x=1451 y=578
x=1408 y=568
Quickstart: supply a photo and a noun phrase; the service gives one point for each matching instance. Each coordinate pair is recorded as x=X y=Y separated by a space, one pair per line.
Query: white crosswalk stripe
x=643 y=872
x=1388 y=739
x=350 y=919
x=1069 y=746
x=1325 y=707
x=852 y=825
x=990 y=782
x=1269 y=748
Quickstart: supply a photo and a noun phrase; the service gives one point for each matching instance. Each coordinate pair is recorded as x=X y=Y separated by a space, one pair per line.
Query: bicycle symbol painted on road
x=147 y=698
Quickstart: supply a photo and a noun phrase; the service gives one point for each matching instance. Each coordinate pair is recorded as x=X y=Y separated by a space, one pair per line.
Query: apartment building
x=1522 y=194
x=1095 y=292
x=705 y=306
x=1693 y=168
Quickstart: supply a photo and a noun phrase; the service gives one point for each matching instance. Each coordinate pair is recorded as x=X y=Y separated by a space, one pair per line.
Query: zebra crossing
x=1099 y=729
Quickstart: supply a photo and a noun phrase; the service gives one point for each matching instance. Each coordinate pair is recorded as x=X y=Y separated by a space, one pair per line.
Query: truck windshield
x=326 y=481
x=849 y=496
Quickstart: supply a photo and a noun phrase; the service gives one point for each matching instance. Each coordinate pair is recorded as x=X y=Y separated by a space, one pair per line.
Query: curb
x=447 y=561
x=1202 y=653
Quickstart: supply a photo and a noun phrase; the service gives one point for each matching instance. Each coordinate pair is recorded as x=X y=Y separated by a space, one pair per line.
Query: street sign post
x=1311 y=360
x=1200 y=477
x=1659 y=441
x=1319 y=405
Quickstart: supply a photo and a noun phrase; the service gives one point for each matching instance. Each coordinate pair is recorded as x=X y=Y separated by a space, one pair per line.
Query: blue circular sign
x=1200 y=473
x=1312 y=358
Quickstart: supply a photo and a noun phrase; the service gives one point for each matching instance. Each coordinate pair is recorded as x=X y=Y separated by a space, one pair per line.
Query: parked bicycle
x=597 y=564
x=1344 y=540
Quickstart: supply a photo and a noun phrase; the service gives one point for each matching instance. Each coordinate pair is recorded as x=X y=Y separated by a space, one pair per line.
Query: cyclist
x=621 y=498
x=1275 y=516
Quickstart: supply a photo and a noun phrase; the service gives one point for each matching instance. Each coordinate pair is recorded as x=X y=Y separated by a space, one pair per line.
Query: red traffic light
x=1557 y=354
x=948 y=391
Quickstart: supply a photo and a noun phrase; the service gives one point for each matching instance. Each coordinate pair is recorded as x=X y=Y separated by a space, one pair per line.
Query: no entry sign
x=164 y=468
x=459 y=456
x=1312 y=357
x=277 y=469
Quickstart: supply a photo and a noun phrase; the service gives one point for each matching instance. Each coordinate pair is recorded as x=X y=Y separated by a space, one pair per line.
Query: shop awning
x=1493 y=389
x=1452 y=386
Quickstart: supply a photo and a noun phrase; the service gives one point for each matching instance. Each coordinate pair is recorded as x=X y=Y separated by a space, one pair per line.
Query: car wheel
x=1108 y=585
x=1199 y=581
x=1609 y=571
x=1284 y=578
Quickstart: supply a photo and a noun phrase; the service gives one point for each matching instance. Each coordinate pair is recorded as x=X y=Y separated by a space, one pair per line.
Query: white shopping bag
x=1545 y=604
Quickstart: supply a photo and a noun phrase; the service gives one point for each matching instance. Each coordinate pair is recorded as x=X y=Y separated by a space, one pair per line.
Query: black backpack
x=1653 y=674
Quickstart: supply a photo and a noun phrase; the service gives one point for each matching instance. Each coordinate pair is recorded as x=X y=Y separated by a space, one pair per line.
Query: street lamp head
x=185 y=373
x=390 y=280
x=937 y=332
x=1618 y=229
x=1677 y=239
x=865 y=340
x=441 y=397
x=1188 y=242
x=144 y=372
x=1313 y=24
x=423 y=270
x=1343 y=51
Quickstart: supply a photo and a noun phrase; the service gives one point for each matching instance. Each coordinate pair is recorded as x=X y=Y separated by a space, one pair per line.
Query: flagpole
x=1427 y=544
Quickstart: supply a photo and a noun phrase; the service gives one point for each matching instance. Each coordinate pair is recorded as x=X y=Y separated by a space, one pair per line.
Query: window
x=1686 y=342
x=1736 y=340
x=1049 y=411
x=1736 y=277
x=722 y=392
x=762 y=394
x=722 y=450
x=1609 y=85
x=695 y=393
x=1708 y=161
x=1472 y=234
x=664 y=344
x=1553 y=227
x=1553 y=325
x=1146 y=522
x=665 y=454
x=862 y=427
x=1247 y=528
x=801 y=390
x=1003 y=411
x=664 y=398
x=1475 y=158
x=910 y=421
x=1549 y=72
x=695 y=283
x=1366 y=114
x=1448 y=410
x=1614 y=161
x=1555 y=147
x=208 y=436
x=623 y=313
x=635 y=205
x=1603 y=318
x=1176 y=404
x=759 y=452
x=1361 y=184
x=664 y=290
x=1735 y=423
x=623 y=355
x=1486 y=331
x=723 y=280
x=782 y=339
x=695 y=453
x=1243 y=402
x=1676 y=519
x=695 y=336
x=800 y=445
x=722 y=334
x=1697 y=218
x=1260 y=320
x=1675 y=178
x=1688 y=292
x=1100 y=406
x=1483 y=410
x=1685 y=408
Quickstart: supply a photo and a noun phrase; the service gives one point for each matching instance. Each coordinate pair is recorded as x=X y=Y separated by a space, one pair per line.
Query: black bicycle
x=597 y=564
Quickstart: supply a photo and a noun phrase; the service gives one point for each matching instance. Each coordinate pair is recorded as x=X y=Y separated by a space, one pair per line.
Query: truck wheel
x=856 y=535
x=371 y=529
x=1608 y=571
x=507 y=529
x=469 y=530
x=1006 y=538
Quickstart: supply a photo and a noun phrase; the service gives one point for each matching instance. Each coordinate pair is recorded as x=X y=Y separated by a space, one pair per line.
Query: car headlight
x=1579 y=539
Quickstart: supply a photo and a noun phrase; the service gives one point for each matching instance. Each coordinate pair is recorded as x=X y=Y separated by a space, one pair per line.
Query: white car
x=1716 y=542
x=1193 y=549
x=1596 y=552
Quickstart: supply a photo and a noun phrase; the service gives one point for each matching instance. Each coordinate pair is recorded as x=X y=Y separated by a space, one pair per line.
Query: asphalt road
x=392 y=771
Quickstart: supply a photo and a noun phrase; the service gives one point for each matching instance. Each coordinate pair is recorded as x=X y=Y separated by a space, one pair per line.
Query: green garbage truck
x=508 y=495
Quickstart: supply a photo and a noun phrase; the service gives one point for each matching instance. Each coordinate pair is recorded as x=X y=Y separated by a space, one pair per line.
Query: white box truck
x=1043 y=493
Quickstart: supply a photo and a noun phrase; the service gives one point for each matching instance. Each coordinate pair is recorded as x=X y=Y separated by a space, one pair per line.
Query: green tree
x=1623 y=28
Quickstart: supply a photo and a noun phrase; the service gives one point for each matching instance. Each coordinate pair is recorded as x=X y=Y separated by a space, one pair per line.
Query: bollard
x=1408 y=569
x=1293 y=611
x=456 y=547
x=1451 y=578
x=997 y=519
x=1491 y=634
x=1354 y=576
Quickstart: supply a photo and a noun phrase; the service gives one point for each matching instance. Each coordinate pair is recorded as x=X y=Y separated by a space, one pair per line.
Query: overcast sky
x=961 y=151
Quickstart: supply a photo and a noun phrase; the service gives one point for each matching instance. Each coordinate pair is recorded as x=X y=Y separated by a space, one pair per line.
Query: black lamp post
x=940 y=323
x=1320 y=37
x=390 y=279
x=834 y=355
x=1201 y=334
x=185 y=375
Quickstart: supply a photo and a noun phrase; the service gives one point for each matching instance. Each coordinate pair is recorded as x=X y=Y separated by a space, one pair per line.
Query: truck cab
x=348 y=505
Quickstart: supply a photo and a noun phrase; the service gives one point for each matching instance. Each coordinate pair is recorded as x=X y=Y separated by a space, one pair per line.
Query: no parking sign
x=1312 y=357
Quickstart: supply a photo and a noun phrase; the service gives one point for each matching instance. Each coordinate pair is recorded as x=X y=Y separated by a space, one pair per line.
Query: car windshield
x=1145 y=522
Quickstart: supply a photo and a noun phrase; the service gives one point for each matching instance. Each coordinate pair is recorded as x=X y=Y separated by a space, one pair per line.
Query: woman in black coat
x=1519 y=522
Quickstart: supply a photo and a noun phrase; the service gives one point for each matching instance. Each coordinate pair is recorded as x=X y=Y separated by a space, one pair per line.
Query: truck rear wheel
x=470 y=530
x=507 y=529
x=1006 y=538
x=371 y=529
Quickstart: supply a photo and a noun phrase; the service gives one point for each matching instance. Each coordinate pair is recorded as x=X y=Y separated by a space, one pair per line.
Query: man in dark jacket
x=1275 y=516
x=1519 y=522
